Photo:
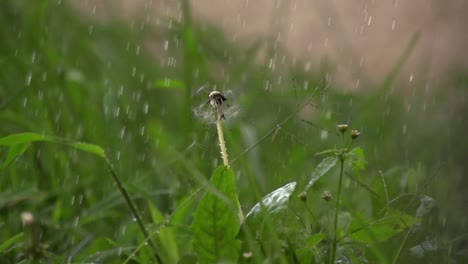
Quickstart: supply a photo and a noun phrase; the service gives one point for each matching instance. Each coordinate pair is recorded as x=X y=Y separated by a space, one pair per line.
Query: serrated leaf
x=274 y=201
x=14 y=152
x=216 y=222
x=169 y=83
x=324 y=166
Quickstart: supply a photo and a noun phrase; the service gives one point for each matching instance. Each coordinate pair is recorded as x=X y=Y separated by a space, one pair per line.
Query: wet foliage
x=107 y=155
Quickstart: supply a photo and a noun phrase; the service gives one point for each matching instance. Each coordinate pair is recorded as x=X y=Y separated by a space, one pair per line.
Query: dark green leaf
x=216 y=222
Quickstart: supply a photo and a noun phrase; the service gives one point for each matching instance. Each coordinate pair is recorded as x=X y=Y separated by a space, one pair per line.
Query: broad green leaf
x=11 y=241
x=169 y=83
x=14 y=152
x=274 y=201
x=216 y=222
x=324 y=166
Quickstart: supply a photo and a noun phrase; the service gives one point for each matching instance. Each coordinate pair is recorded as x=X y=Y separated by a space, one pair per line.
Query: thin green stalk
x=134 y=211
x=224 y=155
x=335 y=223
x=222 y=142
x=400 y=249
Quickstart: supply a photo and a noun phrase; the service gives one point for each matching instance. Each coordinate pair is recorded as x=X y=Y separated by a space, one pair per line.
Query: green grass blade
x=23 y=138
x=14 y=152
x=11 y=241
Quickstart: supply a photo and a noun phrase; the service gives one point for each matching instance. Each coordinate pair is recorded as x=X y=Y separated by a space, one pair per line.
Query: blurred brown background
x=362 y=39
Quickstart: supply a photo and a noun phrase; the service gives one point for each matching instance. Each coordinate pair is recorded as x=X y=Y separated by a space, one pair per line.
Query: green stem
x=224 y=155
x=135 y=213
x=335 y=223
x=222 y=142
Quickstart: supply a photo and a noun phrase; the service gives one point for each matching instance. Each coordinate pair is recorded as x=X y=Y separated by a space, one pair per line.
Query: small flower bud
x=355 y=134
x=342 y=127
x=327 y=196
x=27 y=218
x=302 y=196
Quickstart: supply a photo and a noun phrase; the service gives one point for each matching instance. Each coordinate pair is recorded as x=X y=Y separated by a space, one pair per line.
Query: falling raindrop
x=137 y=52
x=33 y=57
x=28 y=79
x=76 y=221
x=122 y=132
x=145 y=108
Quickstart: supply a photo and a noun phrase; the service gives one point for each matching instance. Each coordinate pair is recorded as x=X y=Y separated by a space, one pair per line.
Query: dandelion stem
x=224 y=155
x=222 y=143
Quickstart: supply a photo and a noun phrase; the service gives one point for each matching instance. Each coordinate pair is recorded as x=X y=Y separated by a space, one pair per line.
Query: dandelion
x=216 y=108
x=214 y=111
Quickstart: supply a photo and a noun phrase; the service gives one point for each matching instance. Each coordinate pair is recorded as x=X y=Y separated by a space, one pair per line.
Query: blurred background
x=127 y=76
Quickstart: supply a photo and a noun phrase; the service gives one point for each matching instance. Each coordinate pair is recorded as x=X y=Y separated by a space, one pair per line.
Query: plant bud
x=355 y=134
x=342 y=127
